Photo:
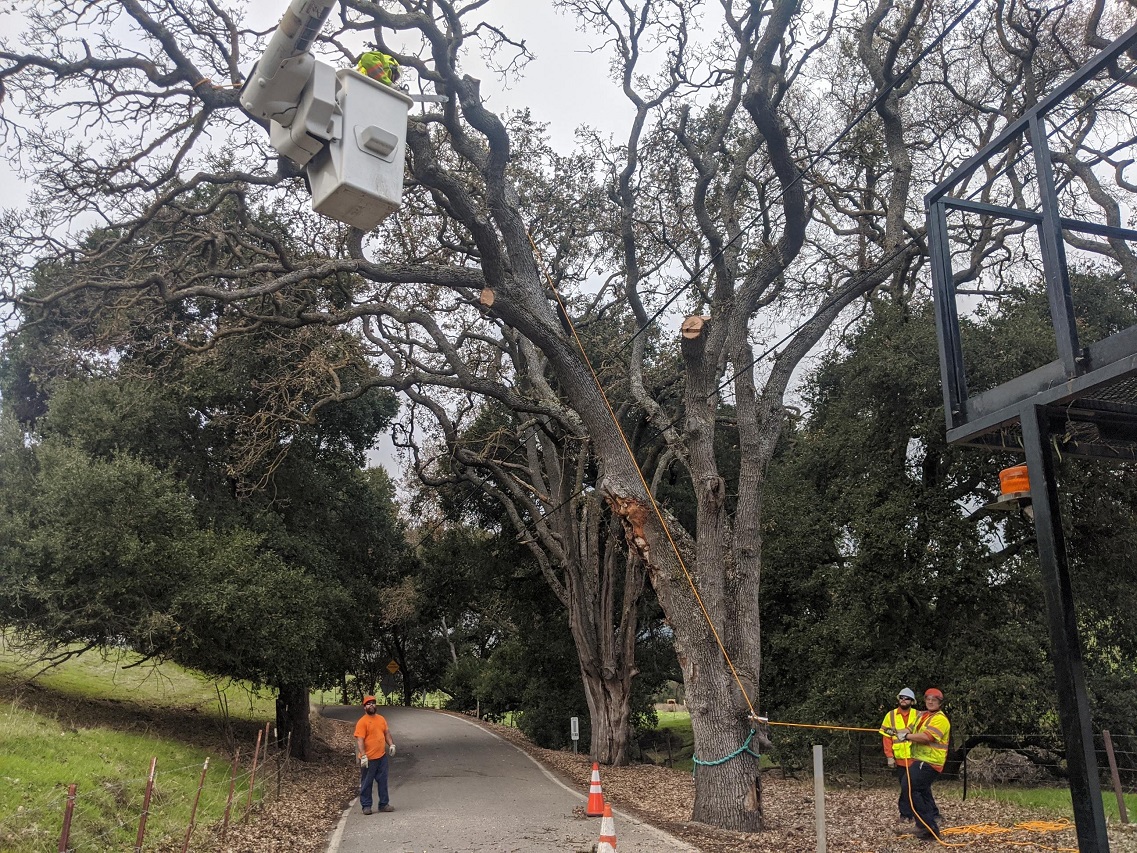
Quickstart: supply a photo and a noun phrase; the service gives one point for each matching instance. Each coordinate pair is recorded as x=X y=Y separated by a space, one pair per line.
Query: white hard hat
x=906 y=693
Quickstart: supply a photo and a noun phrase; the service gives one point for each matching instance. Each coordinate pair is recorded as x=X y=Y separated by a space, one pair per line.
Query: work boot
x=387 y=808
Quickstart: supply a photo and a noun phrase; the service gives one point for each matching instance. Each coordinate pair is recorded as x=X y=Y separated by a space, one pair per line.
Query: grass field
x=1056 y=800
x=672 y=743
x=114 y=679
x=97 y=723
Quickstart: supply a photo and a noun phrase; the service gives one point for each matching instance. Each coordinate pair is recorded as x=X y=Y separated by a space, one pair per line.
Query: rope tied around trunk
x=744 y=748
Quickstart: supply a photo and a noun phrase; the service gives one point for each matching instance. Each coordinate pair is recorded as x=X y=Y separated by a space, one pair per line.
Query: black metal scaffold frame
x=1085 y=401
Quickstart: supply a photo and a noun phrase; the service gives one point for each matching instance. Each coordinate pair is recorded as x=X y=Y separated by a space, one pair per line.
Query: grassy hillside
x=97 y=723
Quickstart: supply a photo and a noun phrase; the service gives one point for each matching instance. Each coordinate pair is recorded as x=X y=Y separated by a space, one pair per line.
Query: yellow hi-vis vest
x=934 y=753
x=900 y=750
x=379 y=67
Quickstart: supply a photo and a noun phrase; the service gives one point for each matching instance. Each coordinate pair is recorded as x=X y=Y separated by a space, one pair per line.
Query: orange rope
x=990 y=829
x=812 y=726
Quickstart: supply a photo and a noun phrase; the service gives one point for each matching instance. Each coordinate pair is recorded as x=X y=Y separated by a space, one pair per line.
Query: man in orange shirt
x=373 y=745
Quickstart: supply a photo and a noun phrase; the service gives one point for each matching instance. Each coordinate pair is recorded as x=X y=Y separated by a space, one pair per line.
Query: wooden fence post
x=68 y=810
x=193 y=811
x=146 y=805
x=965 y=751
x=229 y=801
x=1116 y=777
x=279 y=771
x=253 y=775
x=282 y=761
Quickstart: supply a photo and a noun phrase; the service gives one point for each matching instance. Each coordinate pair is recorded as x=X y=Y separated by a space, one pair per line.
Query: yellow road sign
x=392 y=667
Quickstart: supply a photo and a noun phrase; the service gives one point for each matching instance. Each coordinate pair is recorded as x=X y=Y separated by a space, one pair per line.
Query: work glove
x=363 y=761
x=391 y=750
x=902 y=735
x=891 y=762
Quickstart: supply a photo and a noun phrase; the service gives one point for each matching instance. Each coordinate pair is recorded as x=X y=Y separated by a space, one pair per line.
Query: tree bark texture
x=292 y=719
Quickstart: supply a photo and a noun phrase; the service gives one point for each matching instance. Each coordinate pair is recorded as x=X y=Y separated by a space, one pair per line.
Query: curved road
x=458 y=788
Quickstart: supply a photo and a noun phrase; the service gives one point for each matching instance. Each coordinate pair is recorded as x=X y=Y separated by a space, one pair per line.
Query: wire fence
x=982 y=763
x=175 y=808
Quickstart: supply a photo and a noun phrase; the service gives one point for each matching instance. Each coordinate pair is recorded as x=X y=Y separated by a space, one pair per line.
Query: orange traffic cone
x=595 y=807
x=607 y=843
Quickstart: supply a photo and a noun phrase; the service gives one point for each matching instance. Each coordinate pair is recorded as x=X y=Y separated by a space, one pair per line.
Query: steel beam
x=948 y=333
x=1054 y=255
x=1084 y=74
x=1073 y=705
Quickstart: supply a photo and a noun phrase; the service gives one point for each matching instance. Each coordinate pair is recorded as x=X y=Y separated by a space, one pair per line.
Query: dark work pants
x=923 y=775
x=904 y=803
x=374 y=772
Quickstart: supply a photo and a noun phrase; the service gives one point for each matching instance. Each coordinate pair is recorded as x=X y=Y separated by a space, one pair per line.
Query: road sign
x=574 y=727
x=392 y=667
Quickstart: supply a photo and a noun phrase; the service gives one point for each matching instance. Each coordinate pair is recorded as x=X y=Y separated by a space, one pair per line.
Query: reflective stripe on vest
x=378 y=66
x=934 y=753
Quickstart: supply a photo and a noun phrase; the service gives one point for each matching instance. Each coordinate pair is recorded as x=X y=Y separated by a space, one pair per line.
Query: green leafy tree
x=890 y=571
x=231 y=511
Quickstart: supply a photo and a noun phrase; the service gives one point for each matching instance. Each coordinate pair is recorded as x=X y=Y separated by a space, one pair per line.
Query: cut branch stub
x=693 y=327
x=486 y=299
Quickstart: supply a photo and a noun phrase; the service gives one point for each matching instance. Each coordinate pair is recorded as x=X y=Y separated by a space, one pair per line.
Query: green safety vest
x=939 y=727
x=900 y=749
x=378 y=66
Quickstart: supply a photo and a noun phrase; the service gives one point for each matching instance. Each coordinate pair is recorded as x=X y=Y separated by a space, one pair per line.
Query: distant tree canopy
x=510 y=646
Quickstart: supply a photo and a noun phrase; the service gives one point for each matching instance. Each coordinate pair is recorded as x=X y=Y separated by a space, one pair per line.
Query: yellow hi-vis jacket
x=900 y=750
x=934 y=753
x=379 y=67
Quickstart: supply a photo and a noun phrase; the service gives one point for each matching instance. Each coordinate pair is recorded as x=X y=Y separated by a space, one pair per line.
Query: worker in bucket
x=379 y=67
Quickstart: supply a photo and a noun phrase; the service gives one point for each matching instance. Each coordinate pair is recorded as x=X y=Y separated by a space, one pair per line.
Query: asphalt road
x=458 y=788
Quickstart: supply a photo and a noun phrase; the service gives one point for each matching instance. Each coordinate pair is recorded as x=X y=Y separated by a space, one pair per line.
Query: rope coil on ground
x=990 y=829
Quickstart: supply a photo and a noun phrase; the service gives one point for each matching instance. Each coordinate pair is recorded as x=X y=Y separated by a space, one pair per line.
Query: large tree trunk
x=609 y=708
x=292 y=719
x=726 y=794
x=603 y=596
